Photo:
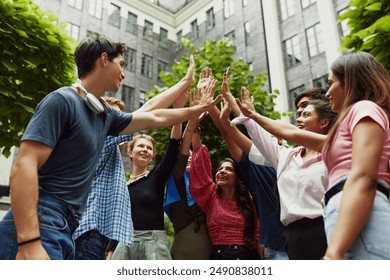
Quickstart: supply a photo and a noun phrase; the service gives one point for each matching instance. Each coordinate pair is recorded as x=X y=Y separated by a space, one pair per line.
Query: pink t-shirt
x=225 y=221
x=338 y=158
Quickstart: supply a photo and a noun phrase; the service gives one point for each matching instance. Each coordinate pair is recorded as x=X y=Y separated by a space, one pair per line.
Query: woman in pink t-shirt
x=356 y=153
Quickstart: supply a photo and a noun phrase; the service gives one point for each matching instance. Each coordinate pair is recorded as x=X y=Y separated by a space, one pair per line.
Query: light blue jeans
x=271 y=254
x=55 y=227
x=373 y=242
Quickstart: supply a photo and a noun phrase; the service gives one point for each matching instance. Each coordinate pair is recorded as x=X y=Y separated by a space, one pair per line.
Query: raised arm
x=167 y=97
x=167 y=117
x=227 y=95
x=280 y=129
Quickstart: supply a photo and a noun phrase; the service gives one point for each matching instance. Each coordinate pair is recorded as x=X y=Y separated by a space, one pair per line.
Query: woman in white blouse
x=302 y=181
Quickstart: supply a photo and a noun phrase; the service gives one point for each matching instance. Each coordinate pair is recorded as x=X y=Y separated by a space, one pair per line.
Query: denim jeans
x=56 y=226
x=271 y=254
x=91 y=245
x=373 y=242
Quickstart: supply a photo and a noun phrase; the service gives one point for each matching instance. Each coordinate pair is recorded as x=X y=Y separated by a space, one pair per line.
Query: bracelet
x=29 y=241
x=197 y=130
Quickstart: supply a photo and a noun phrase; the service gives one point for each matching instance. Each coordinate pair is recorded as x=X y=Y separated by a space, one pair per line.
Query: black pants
x=233 y=252
x=305 y=239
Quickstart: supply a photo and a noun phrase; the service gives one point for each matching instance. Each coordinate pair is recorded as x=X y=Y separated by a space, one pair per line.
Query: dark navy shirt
x=261 y=180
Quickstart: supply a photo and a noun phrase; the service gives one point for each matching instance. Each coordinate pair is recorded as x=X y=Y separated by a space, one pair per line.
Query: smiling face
x=336 y=93
x=226 y=175
x=142 y=152
x=309 y=120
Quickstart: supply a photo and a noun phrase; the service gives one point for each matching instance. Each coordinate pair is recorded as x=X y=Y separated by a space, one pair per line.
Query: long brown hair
x=363 y=78
x=245 y=204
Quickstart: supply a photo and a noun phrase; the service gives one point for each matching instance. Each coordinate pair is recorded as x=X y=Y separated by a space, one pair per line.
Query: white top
x=301 y=185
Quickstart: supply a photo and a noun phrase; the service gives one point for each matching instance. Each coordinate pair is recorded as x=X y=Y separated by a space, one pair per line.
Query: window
x=210 y=23
x=231 y=37
x=127 y=97
x=244 y=3
x=161 y=66
x=228 y=8
x=78 y=4
x=142 y=98
x=291 y=97
x=307 y=3
x=114 y=15
x=131 y=24
x=343 y=27
x=194 y=30
x=130 y=59
x=292 y=51
x=146 y=66
x=73 y=30
x=179 y=43
x=163 y=37
x=247 y=28
x=314 y=40
x=286 y=8
x=148 y=31
x=96 y=8
x=321 y=82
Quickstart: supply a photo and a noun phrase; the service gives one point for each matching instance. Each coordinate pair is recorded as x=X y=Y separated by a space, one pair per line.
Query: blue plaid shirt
x=108 y=207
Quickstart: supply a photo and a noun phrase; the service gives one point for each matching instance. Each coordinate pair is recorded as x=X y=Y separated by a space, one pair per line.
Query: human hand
x=207 y=99
x=205 y=77
x=32 y=251
x=195 y=96
x=246 y=104
x=190 y=75
x=260 y=250
x=225 y=110
x=225 y=83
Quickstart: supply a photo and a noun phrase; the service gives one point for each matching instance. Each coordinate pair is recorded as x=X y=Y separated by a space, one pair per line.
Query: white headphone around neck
x=96 y=105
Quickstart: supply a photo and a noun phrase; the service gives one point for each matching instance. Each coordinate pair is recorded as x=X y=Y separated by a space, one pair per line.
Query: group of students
x=327 y=198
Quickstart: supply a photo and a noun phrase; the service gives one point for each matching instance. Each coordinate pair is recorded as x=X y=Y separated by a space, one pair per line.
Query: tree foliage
x=369 y=21
x=218 y=56
x=37 y=58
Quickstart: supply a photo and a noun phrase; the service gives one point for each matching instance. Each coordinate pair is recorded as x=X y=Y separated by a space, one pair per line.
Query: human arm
x=24 y=197
x=359 y=189
x=167 y=97
x=167 y=117
x=227 y=95
x=280 y=129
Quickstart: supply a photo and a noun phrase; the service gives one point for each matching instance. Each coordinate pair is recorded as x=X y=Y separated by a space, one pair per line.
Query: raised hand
x=225 y=110
x=247 y=103
x=205 y=77
x=190 y=75
x=195 y=95
x=225 y=83
x=207 y=98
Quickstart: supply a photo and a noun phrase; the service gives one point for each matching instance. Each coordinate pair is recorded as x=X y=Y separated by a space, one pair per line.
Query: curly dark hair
x=245 y=204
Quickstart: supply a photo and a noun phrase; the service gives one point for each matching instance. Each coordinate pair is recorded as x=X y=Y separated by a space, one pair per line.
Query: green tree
x=369 y=21
x=218 y=56
x=37 y=58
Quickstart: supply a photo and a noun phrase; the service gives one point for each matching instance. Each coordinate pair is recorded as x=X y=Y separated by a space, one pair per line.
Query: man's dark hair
x=314 y=93
x=90 y=49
